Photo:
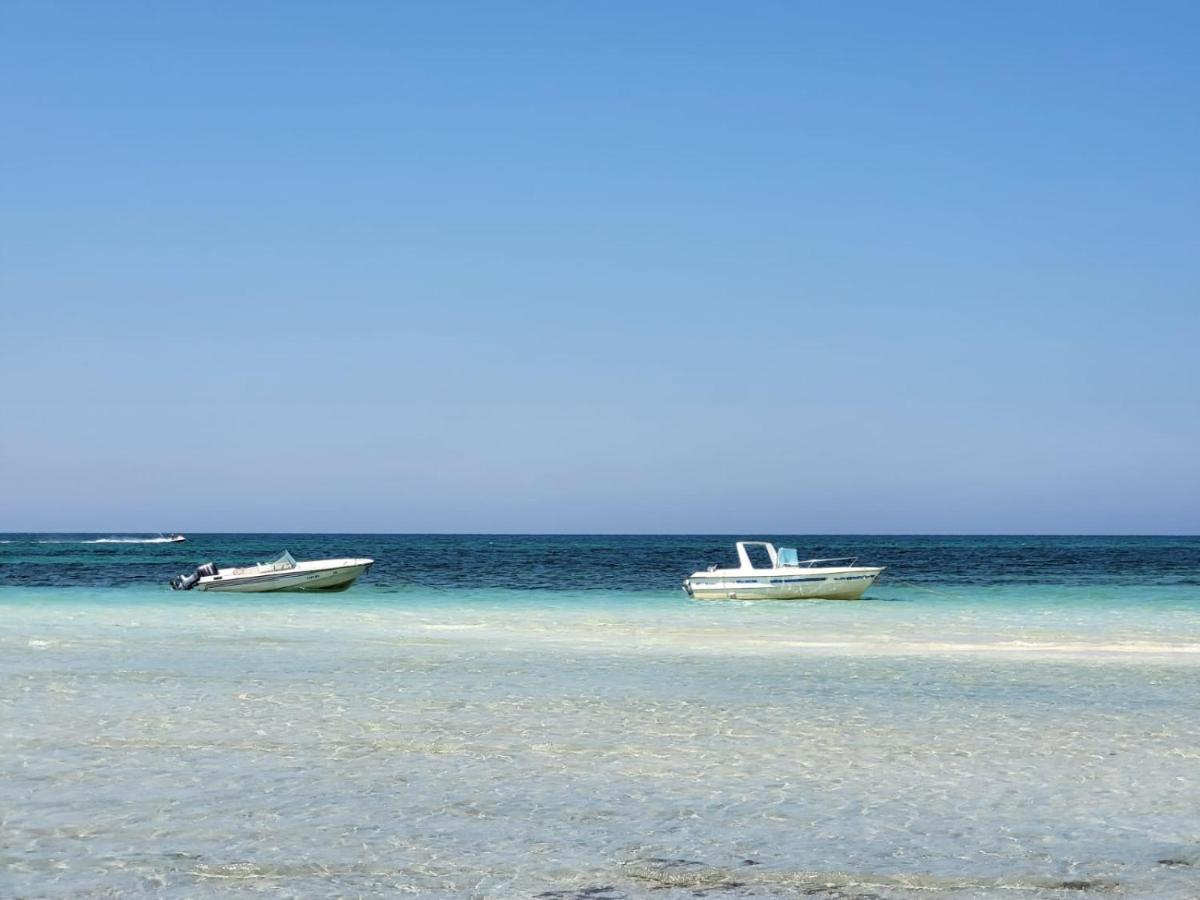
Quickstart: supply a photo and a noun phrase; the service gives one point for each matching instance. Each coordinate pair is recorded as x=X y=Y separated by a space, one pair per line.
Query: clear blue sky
x=773 y=267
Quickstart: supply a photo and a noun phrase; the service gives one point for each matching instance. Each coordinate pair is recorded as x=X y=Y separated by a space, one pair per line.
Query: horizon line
x=1027 y=534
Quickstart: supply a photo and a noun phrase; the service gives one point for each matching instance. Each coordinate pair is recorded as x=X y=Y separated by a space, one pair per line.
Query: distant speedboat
x=787 y=578
x=174 y=538
x=281 y=574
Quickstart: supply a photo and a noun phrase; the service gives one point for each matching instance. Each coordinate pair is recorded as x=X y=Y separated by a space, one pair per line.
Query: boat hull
x=328 y=580
x=842 y=584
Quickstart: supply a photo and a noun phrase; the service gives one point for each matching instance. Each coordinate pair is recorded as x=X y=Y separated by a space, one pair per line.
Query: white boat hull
x=336 y=575
x=796 y=584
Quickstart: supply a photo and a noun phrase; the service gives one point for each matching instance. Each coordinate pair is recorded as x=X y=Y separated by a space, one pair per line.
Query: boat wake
x=105 y=540
x=121 y=540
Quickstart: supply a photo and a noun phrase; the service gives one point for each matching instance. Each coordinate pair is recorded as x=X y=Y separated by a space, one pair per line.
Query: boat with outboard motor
x=283 y=573
x=173 y=538
x=786 y=578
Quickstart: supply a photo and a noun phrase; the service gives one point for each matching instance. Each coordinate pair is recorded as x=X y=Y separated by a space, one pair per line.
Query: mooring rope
x=921 y=587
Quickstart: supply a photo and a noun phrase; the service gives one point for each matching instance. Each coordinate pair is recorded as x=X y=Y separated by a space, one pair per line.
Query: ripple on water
x=308 y=751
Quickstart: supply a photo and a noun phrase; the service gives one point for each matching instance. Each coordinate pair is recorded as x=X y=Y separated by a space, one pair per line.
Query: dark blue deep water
x=600 y=562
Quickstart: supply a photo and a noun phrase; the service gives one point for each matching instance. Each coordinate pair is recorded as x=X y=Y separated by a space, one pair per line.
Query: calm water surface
x=550 y=716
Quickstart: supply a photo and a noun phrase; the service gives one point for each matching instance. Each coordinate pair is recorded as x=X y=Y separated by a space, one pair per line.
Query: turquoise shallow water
x=1023 y=722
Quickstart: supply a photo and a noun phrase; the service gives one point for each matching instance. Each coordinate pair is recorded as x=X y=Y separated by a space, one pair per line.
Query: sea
x=500 y=716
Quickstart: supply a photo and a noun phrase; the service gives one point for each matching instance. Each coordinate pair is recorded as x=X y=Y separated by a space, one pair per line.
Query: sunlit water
x=1005 y=726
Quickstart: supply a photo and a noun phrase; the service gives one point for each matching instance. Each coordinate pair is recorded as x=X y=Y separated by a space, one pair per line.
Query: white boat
x=173 y=538
x=281 y=574
x=786 y=578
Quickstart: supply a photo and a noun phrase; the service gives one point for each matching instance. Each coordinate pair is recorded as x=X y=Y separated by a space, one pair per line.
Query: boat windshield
x=283 y=561
x=789 y=556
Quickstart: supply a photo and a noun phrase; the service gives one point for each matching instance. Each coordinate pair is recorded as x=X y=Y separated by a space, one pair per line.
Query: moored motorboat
x=786 y=578
x=283 y=573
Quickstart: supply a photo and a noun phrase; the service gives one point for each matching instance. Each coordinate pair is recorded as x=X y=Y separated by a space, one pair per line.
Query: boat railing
x=844 y=561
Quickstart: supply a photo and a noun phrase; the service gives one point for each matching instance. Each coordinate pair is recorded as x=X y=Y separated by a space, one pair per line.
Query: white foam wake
x=107 y=540
x=116 y=540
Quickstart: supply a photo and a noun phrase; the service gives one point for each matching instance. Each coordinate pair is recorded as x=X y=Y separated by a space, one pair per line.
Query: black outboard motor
x=187 y=582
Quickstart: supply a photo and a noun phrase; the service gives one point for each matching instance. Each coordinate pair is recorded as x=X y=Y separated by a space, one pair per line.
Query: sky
x=600 y=267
